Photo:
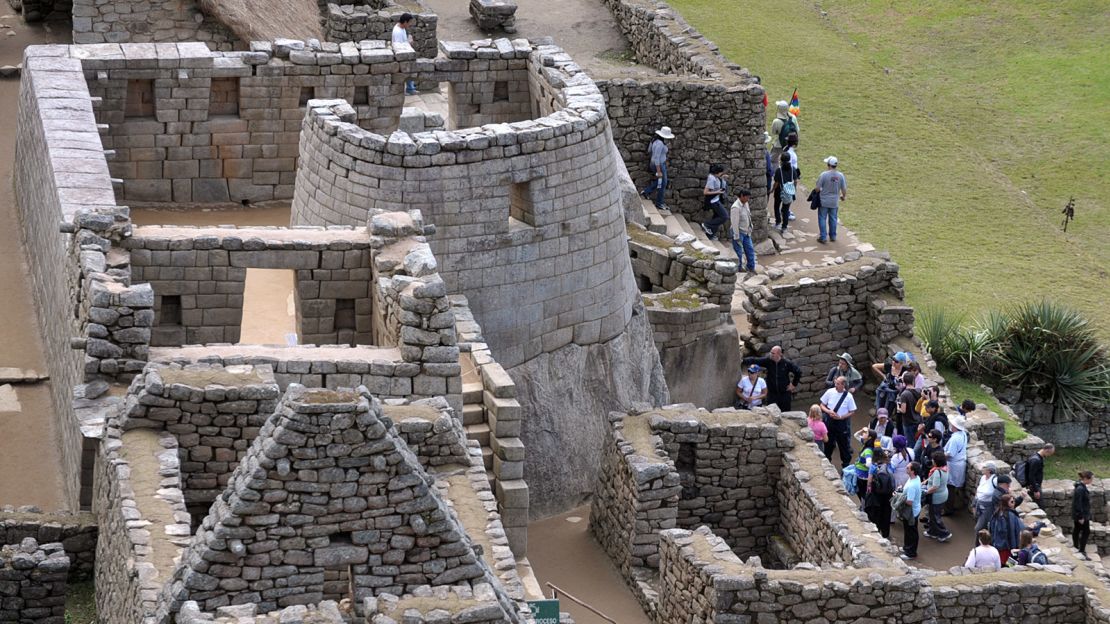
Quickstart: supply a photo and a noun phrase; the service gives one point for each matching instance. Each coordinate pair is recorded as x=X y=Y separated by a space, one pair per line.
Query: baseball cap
x=831 y=161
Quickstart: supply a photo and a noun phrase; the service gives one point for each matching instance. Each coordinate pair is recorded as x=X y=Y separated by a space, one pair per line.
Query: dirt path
x=563 y=552
x=30 y=467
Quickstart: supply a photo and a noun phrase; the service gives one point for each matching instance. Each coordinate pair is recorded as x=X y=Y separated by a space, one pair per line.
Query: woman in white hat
x=657 y=165
x=955 y=450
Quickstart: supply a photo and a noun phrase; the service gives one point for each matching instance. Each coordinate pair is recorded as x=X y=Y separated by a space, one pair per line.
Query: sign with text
x=545 y=611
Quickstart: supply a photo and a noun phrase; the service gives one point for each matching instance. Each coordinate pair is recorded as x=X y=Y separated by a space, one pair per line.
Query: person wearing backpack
x=833 y=187
x=1030 y=473
x=1081 y=512
x=880 y=489
x=784 y=124
x=657 y=165
x=1030 y=552
x=714 y=193
x=785 y=190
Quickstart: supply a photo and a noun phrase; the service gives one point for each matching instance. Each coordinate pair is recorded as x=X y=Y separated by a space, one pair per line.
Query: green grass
x=962 y=127
x=81 y=603
x=1069 y=461
x=962 y=388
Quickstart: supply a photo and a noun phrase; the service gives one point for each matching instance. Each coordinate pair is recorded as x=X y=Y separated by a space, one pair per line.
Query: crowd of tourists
x=909 y=464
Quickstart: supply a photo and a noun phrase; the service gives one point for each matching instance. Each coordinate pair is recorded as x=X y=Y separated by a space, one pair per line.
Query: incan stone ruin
x=488 y=328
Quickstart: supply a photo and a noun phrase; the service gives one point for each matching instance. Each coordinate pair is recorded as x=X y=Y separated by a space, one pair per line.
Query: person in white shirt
x=984 y=556
x=401 y=35
x=752 y=389
x=740 y=230
x=838 y=404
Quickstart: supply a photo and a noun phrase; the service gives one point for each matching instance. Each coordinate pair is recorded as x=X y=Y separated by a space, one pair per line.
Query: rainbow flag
x=795 y=109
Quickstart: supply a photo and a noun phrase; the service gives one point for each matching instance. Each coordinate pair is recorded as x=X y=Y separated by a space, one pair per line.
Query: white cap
x=831 y=161
x=782 y=104
x=665 y=132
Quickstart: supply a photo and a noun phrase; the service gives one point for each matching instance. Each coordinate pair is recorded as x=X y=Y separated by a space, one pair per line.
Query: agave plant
x=1051 y=351
x=941 y=329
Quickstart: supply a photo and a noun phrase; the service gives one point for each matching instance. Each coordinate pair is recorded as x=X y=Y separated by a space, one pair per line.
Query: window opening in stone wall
x=686 y=463
x=307 y=93
x=140 y=99
x=338 y=559
x=521 y=209
x=269 y=309
x=345 y=321
x=169 y=312
x=501 y=91
x=224 y=99
x=361 y=96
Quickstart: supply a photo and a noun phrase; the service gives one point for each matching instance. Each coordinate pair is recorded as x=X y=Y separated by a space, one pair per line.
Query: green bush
x=1045 y=349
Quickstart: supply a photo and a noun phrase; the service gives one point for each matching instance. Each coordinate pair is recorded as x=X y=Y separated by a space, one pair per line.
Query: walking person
x=751 y=390
x=1006 y=527
x=936 y=493
x=880 y=489
x=984 y=556
x=817 y=426
x=785 y=190
x=401 y=34
x=784 y=124
x=714 y=193
x=845 y=366
x=910 y=512
x=1081 y=512
x=657 y=165
x=839 y=405
x=833 y=188
x=783 y=377
x=740 y=231
x=1034 y=470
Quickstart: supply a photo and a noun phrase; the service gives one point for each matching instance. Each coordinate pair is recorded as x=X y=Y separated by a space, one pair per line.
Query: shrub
x=941 y=329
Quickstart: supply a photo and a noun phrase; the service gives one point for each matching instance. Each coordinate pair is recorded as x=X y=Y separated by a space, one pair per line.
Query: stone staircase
x=474 y=411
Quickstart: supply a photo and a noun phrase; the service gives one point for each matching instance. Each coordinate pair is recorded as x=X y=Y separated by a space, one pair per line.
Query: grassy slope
x=1067 y=462
x=962 y=128
x=964 y=389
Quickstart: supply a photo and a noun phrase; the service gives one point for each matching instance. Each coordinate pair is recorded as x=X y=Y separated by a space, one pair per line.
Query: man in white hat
x=833 y=189
x=657 y=151
x=781 y=127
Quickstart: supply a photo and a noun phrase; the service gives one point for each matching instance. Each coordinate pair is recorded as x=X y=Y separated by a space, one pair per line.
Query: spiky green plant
x=941 y=329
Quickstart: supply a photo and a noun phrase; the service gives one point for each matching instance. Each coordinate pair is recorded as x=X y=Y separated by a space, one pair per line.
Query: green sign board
x=545 y=611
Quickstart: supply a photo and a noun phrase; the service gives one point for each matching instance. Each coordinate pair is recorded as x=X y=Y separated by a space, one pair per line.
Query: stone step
x=487 y=459
x=655 y=221
x=472 y=393
x=473 y=414
x=478 y=432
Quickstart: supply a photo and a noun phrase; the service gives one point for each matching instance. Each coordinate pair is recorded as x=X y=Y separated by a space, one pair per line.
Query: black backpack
x=788 y=126
x=1021 y=472
x=882 y=484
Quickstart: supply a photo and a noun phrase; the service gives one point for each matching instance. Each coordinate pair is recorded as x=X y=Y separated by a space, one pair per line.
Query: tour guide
x=783 y=377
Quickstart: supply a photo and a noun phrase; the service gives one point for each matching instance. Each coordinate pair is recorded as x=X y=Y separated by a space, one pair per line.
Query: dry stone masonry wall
x=547 y=204
x=148 y=21
x=75 y=531
x=817 y=314
x=349 y=22
x=33 y=583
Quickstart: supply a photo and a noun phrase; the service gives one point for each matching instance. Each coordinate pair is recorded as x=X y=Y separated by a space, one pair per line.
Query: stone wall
x=362 y=506
x=205 y=269
x=148 y=21
x=970 y=602
x=33 y=582
x=1088 y=428
x=713 y=122
x=361 y=22
x=818 y=313
x=660 y=38
x=75 y=531
x=702 y=580
x=59 y=170
x=213 y=411
x=431 y=430
x=546 y=204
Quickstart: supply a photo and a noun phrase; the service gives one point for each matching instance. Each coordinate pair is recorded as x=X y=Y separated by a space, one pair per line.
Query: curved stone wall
x=527 y=213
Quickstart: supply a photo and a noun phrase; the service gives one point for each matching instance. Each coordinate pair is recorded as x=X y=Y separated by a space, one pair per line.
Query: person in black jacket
x=783 y=377
x=1081 y=512
x=1034 y=470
